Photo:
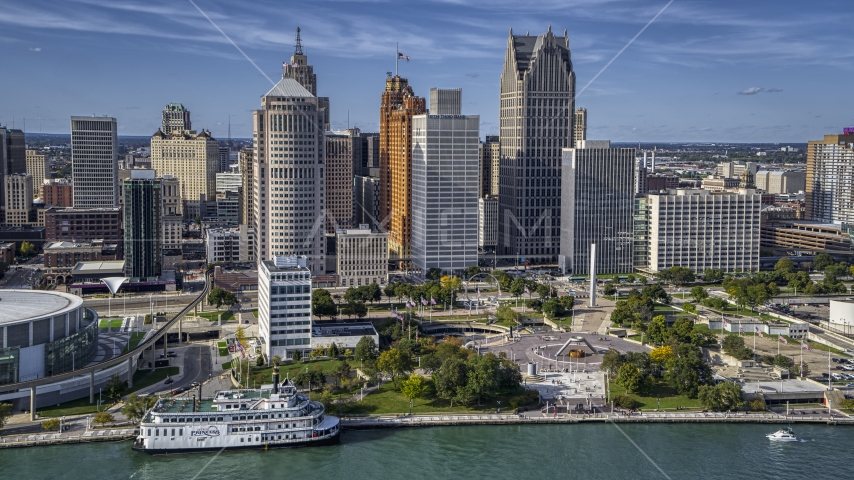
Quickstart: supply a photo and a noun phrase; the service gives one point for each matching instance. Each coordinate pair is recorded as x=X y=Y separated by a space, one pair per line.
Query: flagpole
x=801 y=371
x=396 y=57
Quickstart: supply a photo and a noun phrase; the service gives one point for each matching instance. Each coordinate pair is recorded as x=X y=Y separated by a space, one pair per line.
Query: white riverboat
x=783 y=435
x=274 y=416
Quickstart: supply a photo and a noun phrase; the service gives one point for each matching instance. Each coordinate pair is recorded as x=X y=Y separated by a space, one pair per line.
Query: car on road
x=180 y=390
x=194 y=384
x=168 y=380
x=171 y=354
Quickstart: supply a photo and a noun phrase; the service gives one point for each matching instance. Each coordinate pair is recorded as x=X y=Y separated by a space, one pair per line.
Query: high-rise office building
x=176 y=119
x=224 y=159
x=597 y=203
x=302 y=72
x=785 y=181
x=536 y=118
x=19 y=199
x=830 y=170
x=399 y=105
x=366 y=199
x=143 y=238
x=284 y=306
x=445 y=173
x=289 y=179
x=172 y=213
x=36 y=166
x=487 y=222
x=341 y=150
x=698 y=229
x=579 y=127
x=14 y=151
x=490 y=164
x=362 y=257
x=192 y=158
x=369 y=153
x=246 y=160
x=94 y=162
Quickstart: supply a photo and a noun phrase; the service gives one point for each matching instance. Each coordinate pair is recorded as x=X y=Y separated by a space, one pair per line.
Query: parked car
x=168 y=380
x=180 y=390
x=171 y=354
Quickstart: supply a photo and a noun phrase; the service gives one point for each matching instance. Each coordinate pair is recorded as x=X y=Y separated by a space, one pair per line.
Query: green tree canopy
x=784 y=265
x=322 y=304
x=434 y=274
x=366 y=349
x=136 y=407
x=821 y=261
x=699 y=293
x=27 y=249
x=451 y=379
x=412 y=388
x=219 y=297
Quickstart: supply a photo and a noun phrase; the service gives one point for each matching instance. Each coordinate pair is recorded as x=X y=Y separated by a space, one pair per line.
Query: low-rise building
x=58 y=193
x=362 y=257
x=223 y=245
x=807 y=237
x=61 y=257
x=284 y=306
x=784 y=181
x=7 y=252
x=344 y=335
x=719 y=184
x=84 y=224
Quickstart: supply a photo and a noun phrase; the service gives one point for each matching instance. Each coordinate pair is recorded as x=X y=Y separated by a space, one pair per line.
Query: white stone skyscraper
x=289 y=175
x=536 y=121
x=445 y=190
x=94 y=162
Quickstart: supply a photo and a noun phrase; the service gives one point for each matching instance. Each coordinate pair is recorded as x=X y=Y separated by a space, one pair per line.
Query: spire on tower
x=298 y=46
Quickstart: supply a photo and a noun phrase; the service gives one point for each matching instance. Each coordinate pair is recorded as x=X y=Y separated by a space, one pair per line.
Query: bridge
x=128 y=357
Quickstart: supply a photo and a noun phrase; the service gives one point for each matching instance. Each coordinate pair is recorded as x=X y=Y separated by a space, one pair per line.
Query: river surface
x=588 y=451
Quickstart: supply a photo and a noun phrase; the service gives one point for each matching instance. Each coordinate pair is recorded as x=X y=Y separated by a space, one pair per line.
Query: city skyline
x=739 y=73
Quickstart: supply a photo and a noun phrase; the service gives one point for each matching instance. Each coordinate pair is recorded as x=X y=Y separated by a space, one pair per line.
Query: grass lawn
x=255 y=313
x=563 y=321
x=265 y=374
x=135 y=338
x=387 y=400
x=113 y=323
x=214 y=316
x=141 y=379
x=226 y=366
x=660 y=390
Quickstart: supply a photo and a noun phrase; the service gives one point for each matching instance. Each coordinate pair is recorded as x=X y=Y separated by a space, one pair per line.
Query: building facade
x=366 y=199
x=399 y=105
x=143 y=221
x=579 y=128
x=83 y=224
x=781 y=182
x=284 y=306
x=736 y=169
x=829 y=185
x=246 y=160
x=36 y=166
x=802 y=237
x=223 y=245
x=341 y=151
x=536 y=121
x=173 y=221
x=94 y=162
x=61 y=257
x=19 y=199
x=362 y=257
x=487 y=222
x=228 y=182
x=299 y=70
x=445 y=173
x=176 y=119
x=58 y=193
x=698 y=229
x=490 y=161
x=289 y=179
x=192 y=158
x=597 y=208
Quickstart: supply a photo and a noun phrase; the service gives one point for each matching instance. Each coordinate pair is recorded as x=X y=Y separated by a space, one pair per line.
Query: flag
x=423 y=301
x=408 y=305
x=499 y=289
x=527 y=292
x=806 y=345
x=432 y=300
x=402 y=56
x=781 y=339
x=284 y=64
x=416 y=335
x=478 y=292
x=741 y=328
x=726 y=322
x=759 y=332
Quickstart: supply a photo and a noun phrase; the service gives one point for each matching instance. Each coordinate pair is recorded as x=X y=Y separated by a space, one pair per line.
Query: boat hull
x=332 y=440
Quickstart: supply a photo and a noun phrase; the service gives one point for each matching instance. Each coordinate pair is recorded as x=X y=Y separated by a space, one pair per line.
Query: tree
x=609 y=289
x=723 y=396
x=611 y=361
x=276 y=360
x=821 y=261
x=472 y=271
x=412 y=388
x=689 y=308
x=358 y=309
x=687 y=370
x=507 y=315
x=451 y=379
x=656 y=331
x=661 y=355
x=102 y=418
x=366 y=349
x=433 y=274
x=553 y=308
x=482 y=380
x=5 y=413
x=784 y=265
x=629 y=377
x=219 y=297
x=517 y=288
x=453 y=283
x=115 y=387
x=198 y=221
x=27 y=249
x=50 y=424
x=341 y=371
x=699 y=293
x=734 y=345
x=394 y=363
x=543 y=291
x=713 y=275
x=136 y=407
x=676 y=275
x=322 y=304
x=296 y=356
x=240 y=335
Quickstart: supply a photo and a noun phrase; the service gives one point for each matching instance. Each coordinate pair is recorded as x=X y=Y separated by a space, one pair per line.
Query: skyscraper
x=36 y=166
x=19 y=199
x=247 y=174
x=176 y=119
x=597 y=207
x=537 y=107
x=289 y=178
x=15 y=145
x=579 y=126
x=490 y=157
x=302 y=72
x=830 y=170
x=193 y=158
x=143 y=238
x=399 y=105
x=445 y=172
x=94 y=162
x=341 y=148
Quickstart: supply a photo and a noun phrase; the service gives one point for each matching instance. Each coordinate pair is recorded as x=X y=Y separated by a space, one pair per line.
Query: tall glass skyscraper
x=94 y=162
x=537 y=110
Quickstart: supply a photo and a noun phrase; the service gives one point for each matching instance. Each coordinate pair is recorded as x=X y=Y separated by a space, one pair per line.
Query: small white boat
x=783 y=435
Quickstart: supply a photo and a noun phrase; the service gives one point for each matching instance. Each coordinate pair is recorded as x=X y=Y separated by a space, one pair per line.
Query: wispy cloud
x=774 y=90
x=751 y=91
x=36 y=49
x=472 y=75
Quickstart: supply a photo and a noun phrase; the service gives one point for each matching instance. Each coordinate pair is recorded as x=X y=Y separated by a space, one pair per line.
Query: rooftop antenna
x=298 y=46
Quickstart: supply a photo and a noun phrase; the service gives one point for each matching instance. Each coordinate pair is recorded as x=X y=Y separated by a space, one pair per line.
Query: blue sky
x=740 y=71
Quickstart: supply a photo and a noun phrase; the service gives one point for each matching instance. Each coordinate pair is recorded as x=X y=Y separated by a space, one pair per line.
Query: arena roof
x=21 y=305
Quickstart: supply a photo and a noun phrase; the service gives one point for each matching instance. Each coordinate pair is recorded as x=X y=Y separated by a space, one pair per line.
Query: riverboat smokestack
x=276 y=378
